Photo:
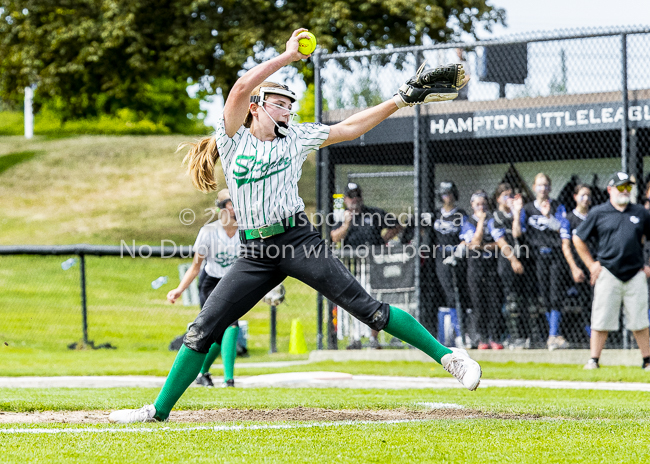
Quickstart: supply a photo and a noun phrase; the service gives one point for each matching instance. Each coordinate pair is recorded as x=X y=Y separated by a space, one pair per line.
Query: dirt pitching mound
x=261 y=415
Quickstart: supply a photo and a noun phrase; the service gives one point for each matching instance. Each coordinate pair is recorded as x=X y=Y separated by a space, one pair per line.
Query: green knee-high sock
x=229 y=352
x=215 y=349
x=184 y=371
x=404 y=326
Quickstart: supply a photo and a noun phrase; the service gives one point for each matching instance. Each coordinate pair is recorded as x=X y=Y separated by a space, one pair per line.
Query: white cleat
x=132 y=416
x=465 y=369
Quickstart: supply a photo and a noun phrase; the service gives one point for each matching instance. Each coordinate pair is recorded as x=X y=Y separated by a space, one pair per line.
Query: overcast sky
x=545 y=15
x=525 y=16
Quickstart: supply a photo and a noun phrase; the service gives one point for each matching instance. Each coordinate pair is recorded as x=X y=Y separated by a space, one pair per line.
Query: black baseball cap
x=352 y=190
x=620 y=178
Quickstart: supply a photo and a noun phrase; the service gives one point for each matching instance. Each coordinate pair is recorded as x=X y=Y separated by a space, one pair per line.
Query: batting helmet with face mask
x=281 y=128
x=448 y=188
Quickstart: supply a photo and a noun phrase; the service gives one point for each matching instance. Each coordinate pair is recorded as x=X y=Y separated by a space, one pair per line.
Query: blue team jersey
x=448 y=227
x=542 y=232
x=469 y=229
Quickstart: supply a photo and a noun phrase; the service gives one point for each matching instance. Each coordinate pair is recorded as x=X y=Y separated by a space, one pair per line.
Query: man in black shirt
x=362 y=227
x=620 y=274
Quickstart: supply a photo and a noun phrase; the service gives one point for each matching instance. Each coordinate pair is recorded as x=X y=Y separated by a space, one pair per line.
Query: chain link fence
x=574 y=107
x=63 y=299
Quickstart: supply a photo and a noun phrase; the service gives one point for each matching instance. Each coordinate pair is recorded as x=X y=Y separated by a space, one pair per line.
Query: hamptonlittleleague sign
x=545 y=120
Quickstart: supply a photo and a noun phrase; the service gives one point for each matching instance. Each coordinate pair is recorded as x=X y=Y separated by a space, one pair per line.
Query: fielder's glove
x=450 y=261
x=432 y=85
x=275 y=296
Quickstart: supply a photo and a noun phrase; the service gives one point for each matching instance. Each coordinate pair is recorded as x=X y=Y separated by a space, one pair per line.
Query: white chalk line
x=440 y=405
x=217 y=428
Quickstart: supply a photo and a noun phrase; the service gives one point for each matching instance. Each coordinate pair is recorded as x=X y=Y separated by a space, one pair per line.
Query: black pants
x=552 y=277
x=208 y=283
x=444 y=272
x=485 y=321
x=577 y=309
x=516 y=294
x=300 y=253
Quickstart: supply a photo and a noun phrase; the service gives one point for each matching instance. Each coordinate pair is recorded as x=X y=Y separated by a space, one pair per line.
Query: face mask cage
x=281 y=128
x=292 y=114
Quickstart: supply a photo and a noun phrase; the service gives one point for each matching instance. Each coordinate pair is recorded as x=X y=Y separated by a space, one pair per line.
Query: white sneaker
x=130 y=416
x=465 y=369
x=591 y=364
x=557 y=343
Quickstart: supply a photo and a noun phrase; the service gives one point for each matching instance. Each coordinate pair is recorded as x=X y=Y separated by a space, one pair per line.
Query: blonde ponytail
x=201 y=159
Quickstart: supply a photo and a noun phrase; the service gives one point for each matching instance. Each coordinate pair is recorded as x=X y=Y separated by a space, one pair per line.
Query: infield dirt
x=260 y=415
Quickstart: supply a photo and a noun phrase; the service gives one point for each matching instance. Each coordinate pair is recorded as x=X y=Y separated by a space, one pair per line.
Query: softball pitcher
x=217 y=244
x=262 y=153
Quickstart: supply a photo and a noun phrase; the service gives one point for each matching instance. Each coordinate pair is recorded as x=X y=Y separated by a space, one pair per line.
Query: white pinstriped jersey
x=219 y=250
x=262 y=177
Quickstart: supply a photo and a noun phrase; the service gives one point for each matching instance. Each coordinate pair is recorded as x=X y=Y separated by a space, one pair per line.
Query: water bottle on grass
x=68 y=263
x=159 y=282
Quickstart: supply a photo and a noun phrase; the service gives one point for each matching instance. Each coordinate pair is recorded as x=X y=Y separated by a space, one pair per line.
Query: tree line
x=88 y=58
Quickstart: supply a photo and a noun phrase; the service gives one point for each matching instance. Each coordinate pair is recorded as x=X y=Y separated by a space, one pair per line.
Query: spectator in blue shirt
x=514 y=285
x=544 y=224
x=485 y=321
x=579 y=290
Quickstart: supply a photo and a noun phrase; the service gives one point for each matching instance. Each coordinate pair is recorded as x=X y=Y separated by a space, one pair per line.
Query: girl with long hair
x=543 y=222
x=262 y=154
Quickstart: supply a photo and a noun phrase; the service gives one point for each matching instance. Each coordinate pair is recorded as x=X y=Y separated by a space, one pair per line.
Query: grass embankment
x=103 y=189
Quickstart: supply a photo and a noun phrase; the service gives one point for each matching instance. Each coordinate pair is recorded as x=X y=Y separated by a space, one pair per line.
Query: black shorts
x=263 y=264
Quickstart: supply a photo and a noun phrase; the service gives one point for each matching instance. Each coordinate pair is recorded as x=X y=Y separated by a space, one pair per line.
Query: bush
x=125 y=123
x=11 y=123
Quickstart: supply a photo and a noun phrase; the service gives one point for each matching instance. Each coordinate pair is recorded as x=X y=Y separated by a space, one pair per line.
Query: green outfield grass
x=31 y=362
x=41 y=316
x=448 y=441
x=561 y=426
x=574 y=404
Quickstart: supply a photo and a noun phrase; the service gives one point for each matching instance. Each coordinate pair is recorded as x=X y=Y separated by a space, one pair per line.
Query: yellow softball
x=307 y=46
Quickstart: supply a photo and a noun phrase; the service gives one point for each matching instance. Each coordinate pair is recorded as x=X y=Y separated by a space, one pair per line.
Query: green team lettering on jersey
x=262 y=175
x=250 y=170
x=224 y=259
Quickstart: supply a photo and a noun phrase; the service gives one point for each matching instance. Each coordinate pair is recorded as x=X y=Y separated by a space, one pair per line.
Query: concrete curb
x=578 y=357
